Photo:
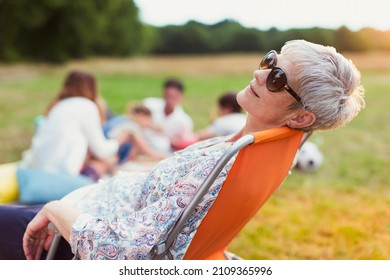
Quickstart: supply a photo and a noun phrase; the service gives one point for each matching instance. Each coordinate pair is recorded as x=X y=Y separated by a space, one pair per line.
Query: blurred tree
x=274 y=40
x=55 y=30
x=231 y=36
x=222 y=35
x=120 y=29
x=376 y=39
x=195 y=37
x=244 y=40
x=192 y=37
x=315 y=35
x=347 y=40
x=150 y=38
x=320 y=36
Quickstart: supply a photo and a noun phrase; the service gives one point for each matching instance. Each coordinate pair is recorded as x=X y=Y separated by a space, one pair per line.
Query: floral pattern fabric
x=126 y=216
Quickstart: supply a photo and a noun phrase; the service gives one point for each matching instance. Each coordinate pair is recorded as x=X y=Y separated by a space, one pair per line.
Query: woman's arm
x=144 y=147
x=37 y=235
x=100 y=147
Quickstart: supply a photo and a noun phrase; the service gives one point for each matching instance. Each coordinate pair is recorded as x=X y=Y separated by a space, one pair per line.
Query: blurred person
x=229 y=121
x=69 y=139
x=168 y=115
x=135 y=123
x=104 y=110
x=307 y=87
x=143 y=117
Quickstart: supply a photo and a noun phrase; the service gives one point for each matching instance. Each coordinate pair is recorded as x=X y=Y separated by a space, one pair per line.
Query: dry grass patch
x=370 y=60
x=198 y=65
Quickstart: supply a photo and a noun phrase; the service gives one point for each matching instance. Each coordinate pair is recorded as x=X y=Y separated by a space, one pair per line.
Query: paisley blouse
x=126 y=216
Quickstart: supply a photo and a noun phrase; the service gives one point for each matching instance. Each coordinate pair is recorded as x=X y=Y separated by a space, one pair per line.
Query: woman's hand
x=37 y=236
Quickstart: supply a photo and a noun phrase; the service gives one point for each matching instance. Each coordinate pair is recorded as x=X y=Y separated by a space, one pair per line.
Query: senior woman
x=307 y=86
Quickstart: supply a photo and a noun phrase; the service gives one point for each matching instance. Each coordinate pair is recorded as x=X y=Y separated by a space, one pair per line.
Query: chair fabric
x=257 y=172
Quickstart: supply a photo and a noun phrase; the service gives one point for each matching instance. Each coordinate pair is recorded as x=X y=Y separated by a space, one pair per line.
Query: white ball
x=309 y=157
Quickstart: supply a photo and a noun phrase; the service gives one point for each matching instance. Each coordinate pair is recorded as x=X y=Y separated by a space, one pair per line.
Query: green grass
x=307 y=222
x=340 y=212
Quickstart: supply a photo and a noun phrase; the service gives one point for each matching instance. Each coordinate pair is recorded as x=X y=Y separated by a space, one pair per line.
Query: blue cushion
x=37 y=186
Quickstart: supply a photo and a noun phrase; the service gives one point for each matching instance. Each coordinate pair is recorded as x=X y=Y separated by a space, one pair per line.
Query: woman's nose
x=261 y=75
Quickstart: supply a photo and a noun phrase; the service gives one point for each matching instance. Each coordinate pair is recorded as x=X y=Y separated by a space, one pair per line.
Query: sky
x=264 y=14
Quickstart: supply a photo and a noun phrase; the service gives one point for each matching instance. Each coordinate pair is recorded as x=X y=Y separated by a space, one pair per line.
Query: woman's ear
x=301 y=120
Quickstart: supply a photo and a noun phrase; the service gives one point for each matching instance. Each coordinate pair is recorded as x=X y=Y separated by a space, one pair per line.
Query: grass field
x=340 y=212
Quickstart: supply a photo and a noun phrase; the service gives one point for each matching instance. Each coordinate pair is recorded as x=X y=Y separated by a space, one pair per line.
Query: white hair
x=329 y=84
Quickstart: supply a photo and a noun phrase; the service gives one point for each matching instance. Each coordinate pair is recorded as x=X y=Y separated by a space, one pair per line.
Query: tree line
x=58 y=30
x=230 y=36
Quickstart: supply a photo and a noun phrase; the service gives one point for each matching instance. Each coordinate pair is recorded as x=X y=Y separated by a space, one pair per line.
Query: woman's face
x=173 y=97
x=265 y=108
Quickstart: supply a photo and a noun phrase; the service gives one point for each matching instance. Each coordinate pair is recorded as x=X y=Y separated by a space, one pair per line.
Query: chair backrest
x=257 y=172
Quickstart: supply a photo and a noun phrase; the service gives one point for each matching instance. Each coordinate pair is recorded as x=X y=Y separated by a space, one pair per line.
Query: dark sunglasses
x=277 y=78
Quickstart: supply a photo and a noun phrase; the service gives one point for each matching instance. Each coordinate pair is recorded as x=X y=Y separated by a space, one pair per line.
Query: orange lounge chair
x=262 y=164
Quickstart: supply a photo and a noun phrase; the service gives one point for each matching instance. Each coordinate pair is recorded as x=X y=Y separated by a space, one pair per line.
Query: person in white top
x=71 y=129
x=230 y=118
x=168 y=116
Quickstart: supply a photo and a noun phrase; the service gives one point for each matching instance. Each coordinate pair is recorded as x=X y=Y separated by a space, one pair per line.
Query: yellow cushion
x=9 y=190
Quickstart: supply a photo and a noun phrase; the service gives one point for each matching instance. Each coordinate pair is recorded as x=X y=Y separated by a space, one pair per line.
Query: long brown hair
x=76 y=84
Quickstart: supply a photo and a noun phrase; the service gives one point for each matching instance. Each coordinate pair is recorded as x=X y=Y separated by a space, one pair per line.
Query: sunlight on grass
x=319 y=223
